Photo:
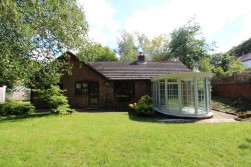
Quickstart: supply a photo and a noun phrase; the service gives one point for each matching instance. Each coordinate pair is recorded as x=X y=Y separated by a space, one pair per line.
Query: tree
x=236 y=67
x=160 y=48
x=96 y=52
x=54 y=98
x=223 y=63
x=242 y=48
x=154 y=49
x=127 y=48
x=218 y=71
x=143 y=42
x=39 y=30
x=222 y=60
x=205 y=65
x=188 y=45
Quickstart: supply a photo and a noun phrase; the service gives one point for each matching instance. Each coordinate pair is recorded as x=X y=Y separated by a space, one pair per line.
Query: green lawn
x=119 y=139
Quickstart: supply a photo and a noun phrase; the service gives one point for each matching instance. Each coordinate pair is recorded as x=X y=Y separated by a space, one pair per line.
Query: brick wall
x=237 y=85
x=83 y=73
x=232 y=90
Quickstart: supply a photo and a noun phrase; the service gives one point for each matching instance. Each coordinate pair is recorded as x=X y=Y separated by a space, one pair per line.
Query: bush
x=55 y=100
x=144 y=106
x=16 y=108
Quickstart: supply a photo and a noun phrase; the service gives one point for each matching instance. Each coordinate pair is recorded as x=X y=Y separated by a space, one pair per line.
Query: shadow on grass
x=149 y=119
x=161 y=118
x=246 y=145
x=16 y=118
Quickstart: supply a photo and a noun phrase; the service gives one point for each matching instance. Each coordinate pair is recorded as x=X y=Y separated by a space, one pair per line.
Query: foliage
x=96 y=52
x=231 y=104
x=54 y=98
x=16 y=108
x=144 y=106
x=222 y=60
x=133 y=106
x=247 y=70
x=160 y=48
x=242 y=48
x=153 y=49
x=205 y=65
x=47 y=75
x=127 y=48
x=223 y=63
x=236 y=67
x=35 y=30
x=188 y=45
x=88 y=139
x=218 y=71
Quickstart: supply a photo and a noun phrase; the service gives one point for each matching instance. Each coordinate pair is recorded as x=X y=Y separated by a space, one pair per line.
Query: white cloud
x=244 y=34
x=100 y=16
x=212 y=16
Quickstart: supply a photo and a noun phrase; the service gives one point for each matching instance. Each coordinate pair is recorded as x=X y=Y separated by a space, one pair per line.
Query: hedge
x=16 y=108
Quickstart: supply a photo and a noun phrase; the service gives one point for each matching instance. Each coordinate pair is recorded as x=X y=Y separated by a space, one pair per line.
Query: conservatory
x=183 y=94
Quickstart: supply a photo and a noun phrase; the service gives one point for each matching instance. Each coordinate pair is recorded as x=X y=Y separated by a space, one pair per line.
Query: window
x=202 y=96
x=84 y=88
x=81 y=88
x=124 y=89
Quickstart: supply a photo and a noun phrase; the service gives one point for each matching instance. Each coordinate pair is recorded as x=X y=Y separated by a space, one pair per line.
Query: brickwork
x=232 y=90
x=83 y=73
x=238 y=85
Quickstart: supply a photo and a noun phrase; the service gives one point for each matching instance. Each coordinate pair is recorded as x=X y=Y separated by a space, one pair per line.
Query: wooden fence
x=19 y=93
x=2 y=94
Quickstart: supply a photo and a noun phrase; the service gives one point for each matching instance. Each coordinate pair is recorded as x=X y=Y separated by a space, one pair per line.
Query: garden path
x=218 y=117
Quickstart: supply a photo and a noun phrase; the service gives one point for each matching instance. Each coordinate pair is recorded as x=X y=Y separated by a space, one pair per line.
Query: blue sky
x=225 y=22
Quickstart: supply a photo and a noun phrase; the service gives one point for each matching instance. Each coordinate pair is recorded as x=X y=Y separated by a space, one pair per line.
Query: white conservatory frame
x=184 y=94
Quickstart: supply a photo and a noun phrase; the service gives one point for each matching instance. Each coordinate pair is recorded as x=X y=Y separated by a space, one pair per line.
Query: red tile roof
x=136 y=71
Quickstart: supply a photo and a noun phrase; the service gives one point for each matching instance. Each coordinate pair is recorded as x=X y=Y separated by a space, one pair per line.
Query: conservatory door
x=172 y=97
x=188 y=96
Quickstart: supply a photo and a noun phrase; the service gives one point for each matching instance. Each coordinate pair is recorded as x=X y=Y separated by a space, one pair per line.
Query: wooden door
x=93 y=94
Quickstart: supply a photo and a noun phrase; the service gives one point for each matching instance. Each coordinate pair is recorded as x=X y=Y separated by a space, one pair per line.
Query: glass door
x=172 y=97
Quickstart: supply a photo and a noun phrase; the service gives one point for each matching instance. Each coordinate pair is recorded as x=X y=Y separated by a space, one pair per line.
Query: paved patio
x=218 y=117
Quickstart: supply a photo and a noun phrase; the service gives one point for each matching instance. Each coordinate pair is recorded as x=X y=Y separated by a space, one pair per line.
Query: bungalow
x=113 y=85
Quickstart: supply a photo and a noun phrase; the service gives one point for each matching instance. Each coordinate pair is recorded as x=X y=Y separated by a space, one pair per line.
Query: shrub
x=241 y=104
x=133 y=105
x=144 y=106
x=55 y=100
x=16 y=108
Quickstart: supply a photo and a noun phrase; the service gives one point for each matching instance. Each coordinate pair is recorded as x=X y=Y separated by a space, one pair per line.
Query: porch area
x=183 y=94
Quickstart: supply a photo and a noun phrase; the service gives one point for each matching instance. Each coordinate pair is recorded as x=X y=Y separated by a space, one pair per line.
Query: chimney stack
x=141 y=57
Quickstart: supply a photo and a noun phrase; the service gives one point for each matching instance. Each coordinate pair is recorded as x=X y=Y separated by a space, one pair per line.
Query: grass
x=119 y=139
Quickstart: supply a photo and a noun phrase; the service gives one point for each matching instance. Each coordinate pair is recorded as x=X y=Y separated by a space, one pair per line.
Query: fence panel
x=2 y=94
